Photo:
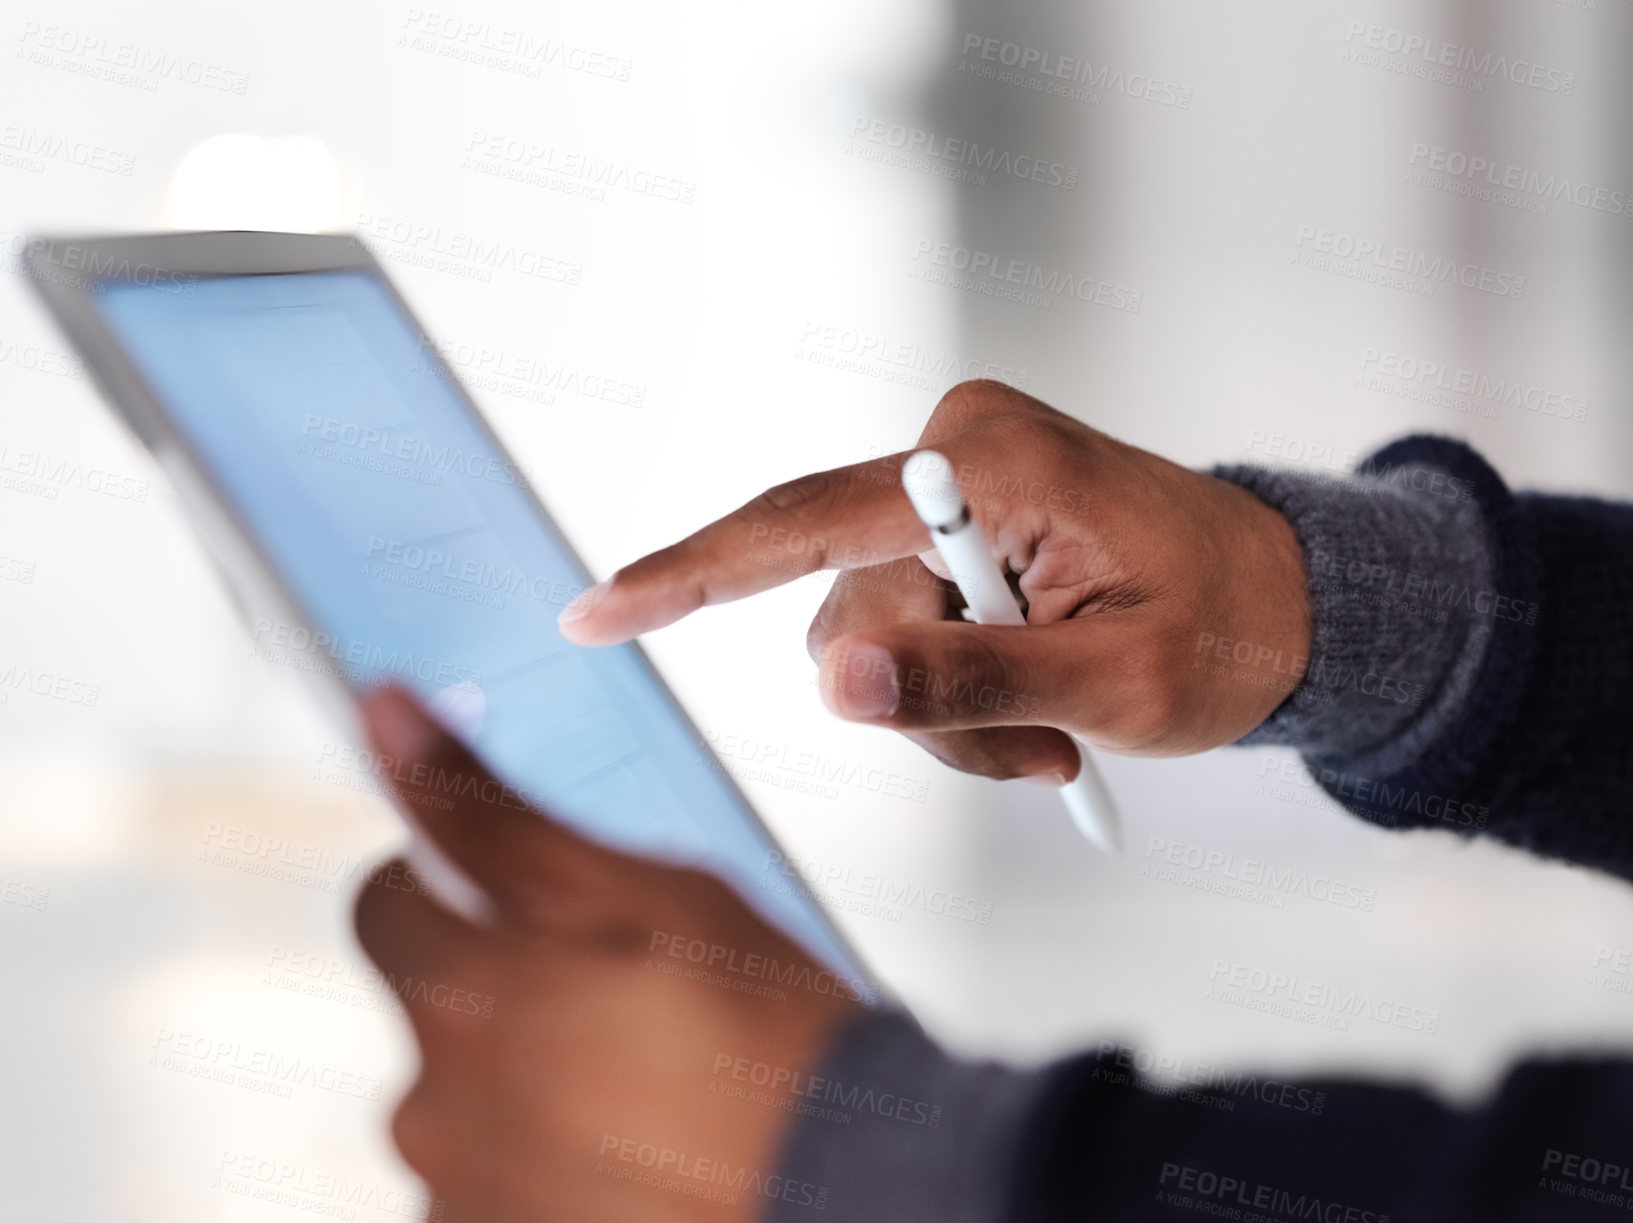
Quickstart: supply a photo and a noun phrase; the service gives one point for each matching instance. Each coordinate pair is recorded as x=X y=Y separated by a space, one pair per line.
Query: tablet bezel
x=66 y=273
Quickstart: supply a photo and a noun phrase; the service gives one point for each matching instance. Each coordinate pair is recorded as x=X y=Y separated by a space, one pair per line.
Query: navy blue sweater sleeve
x=1545 y=740
x=1540 y=751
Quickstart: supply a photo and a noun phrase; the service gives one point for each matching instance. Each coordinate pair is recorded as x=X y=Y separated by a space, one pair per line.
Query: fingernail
x=399 y=727
x=583 y=604
x=1053 y=780
x=864 y=683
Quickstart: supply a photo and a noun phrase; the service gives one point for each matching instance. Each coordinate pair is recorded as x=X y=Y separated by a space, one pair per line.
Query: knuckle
x=978 y=401
x=972 y=397
x=1048 y=440
x=421 y=1140
x=800 y=508
x=967 y=678
x=979 y=665
x=800 y=497
x=851 y=603
x=821 y=634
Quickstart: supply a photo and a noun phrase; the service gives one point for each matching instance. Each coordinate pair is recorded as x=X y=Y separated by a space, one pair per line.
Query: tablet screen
x=414 y=548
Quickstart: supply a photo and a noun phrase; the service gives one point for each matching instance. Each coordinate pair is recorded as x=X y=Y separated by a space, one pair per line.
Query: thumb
x=535 y=871
x=945 y=675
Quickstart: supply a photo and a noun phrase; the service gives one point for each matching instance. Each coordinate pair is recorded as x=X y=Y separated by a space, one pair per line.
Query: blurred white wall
x=750 y=323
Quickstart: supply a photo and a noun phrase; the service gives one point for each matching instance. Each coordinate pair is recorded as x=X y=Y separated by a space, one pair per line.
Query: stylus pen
x=928 y=478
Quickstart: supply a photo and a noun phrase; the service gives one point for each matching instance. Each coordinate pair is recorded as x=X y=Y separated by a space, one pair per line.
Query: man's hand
x=1167 y=611
x=585 y=1054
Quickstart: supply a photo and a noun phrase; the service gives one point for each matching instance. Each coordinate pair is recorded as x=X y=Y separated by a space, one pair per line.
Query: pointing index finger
x=840 y=519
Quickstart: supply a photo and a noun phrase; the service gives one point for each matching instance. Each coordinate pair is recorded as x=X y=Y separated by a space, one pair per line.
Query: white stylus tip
x=928 y=478
x=1091 y=805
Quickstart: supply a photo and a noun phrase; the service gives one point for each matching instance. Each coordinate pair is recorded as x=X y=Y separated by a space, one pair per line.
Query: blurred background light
x=242 y=181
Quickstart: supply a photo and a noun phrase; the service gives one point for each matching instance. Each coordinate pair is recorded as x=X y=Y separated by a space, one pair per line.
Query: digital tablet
x=373 y=528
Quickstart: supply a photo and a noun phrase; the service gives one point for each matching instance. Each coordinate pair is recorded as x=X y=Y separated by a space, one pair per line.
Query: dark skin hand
x=1134 y=570
x=564 y=1055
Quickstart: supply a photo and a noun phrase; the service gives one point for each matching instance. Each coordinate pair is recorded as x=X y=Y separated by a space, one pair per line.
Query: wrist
x=1250 y=647
x=1389 y=565
x=1272 y=595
